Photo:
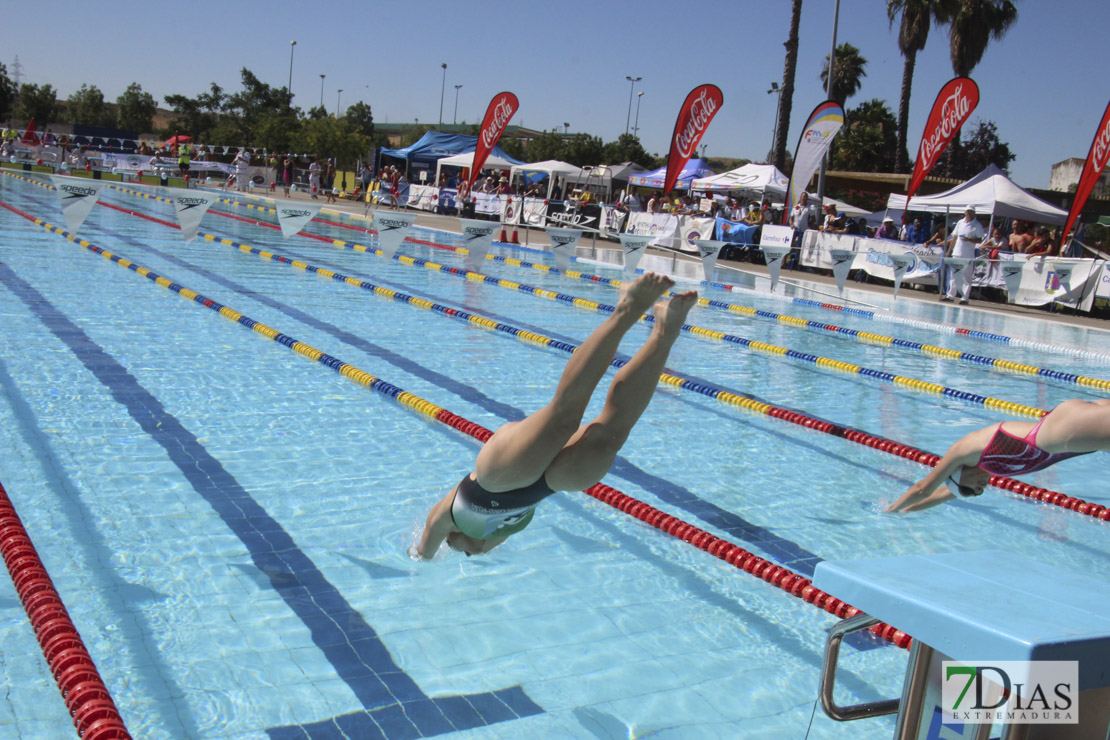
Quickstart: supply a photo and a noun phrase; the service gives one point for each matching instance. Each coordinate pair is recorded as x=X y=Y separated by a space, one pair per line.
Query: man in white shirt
x=962 y=243
x=802 y=215
x=242 y=163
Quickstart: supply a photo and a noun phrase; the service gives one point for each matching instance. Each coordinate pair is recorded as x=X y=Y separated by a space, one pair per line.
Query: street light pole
x=337 y=102
x=442 y=88
x=455 y=118
x=628 y=118
x=776 y=90
x=292 y=44
x=636 y=126
x=322 y=92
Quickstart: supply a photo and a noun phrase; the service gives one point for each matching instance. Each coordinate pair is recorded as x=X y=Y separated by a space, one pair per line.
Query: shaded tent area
x=464 y=161
x=694 y=169
x=550 y=171
x=433 y=146
x=750 y=181
x=989 y=192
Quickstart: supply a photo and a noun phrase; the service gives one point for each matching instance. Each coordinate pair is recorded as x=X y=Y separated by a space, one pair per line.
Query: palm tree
x=972 y=24
x=786 y=97
x=848 y=75
x=913 y=32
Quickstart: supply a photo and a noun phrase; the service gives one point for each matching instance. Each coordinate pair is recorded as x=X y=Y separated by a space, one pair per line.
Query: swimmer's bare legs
x=589 y=454
x=519 y=452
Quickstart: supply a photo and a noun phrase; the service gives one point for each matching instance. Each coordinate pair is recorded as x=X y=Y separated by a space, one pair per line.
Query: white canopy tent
x=553 y=169
x=466 y=159
x=756 y=180
x=989 y=192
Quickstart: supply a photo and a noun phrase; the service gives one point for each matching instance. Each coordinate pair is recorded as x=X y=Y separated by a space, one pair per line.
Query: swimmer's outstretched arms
x=1011 y=448
x=552 y=450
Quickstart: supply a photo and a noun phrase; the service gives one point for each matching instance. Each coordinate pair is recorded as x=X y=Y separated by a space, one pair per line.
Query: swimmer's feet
x=638 y=296
x=670 y=316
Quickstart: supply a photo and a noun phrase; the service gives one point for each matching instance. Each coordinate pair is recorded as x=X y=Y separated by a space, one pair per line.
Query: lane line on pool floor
x=860 y=437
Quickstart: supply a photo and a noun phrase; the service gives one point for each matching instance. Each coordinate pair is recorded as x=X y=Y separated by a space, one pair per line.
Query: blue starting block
x=979 y=609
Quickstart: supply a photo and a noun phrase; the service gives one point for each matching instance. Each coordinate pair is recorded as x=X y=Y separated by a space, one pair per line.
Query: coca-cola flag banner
x=190 y=206
x=500 y=110
x=697 y=111
x=77 y=196
x=823 y=124
x=954 y=104
x=1096 y=161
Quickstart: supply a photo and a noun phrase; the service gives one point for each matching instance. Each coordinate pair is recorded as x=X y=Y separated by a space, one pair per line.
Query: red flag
x=29 y=136
x=693 y=119
x=1096 y=161
x=500 y=110
x=954 y=103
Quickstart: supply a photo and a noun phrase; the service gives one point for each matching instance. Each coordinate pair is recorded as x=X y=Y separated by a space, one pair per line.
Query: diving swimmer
x=1011 y=448
x=552 y=450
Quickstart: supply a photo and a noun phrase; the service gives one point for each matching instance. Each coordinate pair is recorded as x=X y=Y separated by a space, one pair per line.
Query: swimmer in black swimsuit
x=1011 y=448
x=552 y=450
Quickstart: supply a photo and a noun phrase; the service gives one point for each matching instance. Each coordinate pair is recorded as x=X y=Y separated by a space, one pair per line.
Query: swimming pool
x=227 y=522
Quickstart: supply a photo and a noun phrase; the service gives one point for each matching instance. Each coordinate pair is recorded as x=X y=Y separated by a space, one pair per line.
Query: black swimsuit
x=480 y=514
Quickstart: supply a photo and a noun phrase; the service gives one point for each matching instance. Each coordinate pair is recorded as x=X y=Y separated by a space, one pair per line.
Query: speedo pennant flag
x=500 y=110
x=820 y=129
x=634 y=248
x=478 y=235
x=563 y=245
x=1096 y=161
x=697 y=111
x=190 y=205
x=392 y=228
x=954 y=104
x=77 y=196
x=294 y=216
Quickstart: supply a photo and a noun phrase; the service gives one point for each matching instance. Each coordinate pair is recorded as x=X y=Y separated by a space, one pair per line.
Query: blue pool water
x=227 y=521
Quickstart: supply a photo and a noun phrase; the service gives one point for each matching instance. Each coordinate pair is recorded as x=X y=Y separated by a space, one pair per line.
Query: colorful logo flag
x=500 y=110
x=954 y=104
x=823 y=124
x=1096 y=161
x=697 y=111
x=190 y=206
x=293 y=216
x=77 y=196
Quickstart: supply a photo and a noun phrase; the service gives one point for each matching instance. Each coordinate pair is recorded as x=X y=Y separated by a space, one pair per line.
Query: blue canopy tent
x=434 y=146
x=694 y=169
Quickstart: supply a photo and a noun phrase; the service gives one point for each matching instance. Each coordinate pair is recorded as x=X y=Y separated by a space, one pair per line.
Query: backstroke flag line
x=954 y=104
x=190 y=206
x=823 y=124
x=500 y=110
x=477 y=235
x=634 y=248
x=392 y=228
x=563 y=244
x=697 y=111
x=1096 y=161
x=77 y=196
x=294 y=216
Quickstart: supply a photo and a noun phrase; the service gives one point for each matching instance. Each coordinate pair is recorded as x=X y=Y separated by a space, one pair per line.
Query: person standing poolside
x=287 y=173
x=526 y=461
x=962 y=243
x=1011 y=448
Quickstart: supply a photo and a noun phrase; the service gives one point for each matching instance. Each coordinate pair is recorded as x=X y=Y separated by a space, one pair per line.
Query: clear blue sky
x=1044 y=84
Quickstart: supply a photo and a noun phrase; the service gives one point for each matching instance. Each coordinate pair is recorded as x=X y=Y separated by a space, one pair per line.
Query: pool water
x=227 y=521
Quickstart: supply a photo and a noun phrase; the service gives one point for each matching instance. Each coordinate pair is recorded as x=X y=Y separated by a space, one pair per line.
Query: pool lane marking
x=779 y=576
x=339 y=631
x=751 y=403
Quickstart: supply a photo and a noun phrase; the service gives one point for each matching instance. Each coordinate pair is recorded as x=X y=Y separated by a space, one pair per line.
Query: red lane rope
x=86 y=698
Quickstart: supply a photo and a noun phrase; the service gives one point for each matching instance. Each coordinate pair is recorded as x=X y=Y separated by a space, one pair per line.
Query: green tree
x=361 y=119
x=848 y=74
x=255 y=103
x=867 y=141
x=330 y=138
x=8 y=94
x=786 y=97
x=197 y=117
x=915 y=17
x=135 y=109
x=582 y=150
x=981 y=149
x=39 y=103
x=86 y=107
x=626 y=148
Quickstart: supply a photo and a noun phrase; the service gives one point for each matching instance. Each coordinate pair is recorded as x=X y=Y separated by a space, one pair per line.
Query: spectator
x=917 y=234
x=241 y=162
x=1021 y=237
x=962 y=243
x=314 y=170
x=994 y=244
x=288 y=166
x=938 y=236
x=887 y=230
x=830 y=218
x=556 y=191
x=801 y=217
x=1043 y=243
x=653 y=204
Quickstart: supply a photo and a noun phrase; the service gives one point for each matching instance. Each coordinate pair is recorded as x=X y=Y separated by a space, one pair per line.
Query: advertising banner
x=697 y=111
x=823 y=124
x=954 y=104
x=1092 y=169
x=500 y=110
